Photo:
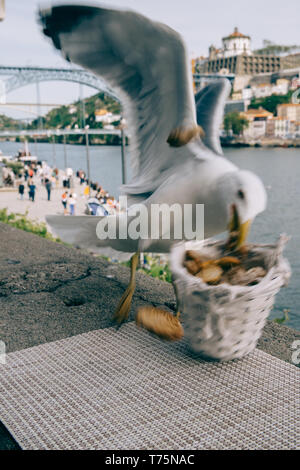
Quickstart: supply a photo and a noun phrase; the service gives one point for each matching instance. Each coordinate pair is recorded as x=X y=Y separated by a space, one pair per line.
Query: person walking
x=81 y=176
x=56 y=176
x=98 y=193
x=69 y=173
x=26 y=174
x=72 y=203
x=86 y=191
x=64 y=201
x=65 y=181
x=21 y=190
x=31 y=192
x=48 y=186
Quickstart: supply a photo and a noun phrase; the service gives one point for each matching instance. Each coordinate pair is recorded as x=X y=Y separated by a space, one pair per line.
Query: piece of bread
x=160 y=322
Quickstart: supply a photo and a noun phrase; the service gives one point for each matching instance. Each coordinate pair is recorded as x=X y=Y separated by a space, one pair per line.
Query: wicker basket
x=224 y=321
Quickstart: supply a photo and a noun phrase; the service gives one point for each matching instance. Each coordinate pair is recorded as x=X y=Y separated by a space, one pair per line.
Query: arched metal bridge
x=16 y=77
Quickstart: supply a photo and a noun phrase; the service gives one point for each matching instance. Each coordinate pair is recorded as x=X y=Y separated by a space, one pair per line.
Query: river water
x=278 y=168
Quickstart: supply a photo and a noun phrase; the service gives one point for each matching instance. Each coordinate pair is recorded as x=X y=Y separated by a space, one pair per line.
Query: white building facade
x=236 y=44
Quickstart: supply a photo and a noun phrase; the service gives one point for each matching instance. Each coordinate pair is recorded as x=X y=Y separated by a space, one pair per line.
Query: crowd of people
x=109 y=205
x=41 y=174
x=31 y=174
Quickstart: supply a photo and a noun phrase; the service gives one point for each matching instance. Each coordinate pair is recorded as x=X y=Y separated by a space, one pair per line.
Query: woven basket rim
x=264 y=284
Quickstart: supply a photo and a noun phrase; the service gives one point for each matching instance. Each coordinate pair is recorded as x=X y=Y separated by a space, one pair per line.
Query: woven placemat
x=125 y=389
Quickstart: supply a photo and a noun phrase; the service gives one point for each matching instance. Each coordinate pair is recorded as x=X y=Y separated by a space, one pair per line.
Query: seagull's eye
x=241 y=194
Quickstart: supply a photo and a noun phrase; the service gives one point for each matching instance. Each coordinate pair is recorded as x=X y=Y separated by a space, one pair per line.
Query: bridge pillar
x=82 y=106
x=65 y=153
x=53 y=151
x=38 y=106
x=88 y=158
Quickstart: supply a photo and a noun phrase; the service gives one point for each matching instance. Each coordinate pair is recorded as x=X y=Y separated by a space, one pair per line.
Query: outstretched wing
x=210 y=104
x=147 y=63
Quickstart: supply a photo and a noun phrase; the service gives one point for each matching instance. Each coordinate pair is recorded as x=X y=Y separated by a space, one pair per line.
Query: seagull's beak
x=243 y=233
x=238 y=231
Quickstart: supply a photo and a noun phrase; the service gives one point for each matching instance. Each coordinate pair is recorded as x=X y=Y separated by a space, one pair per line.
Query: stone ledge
x=49 y=291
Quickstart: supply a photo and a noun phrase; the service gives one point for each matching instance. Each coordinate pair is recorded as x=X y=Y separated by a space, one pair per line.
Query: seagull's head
x=243 y=197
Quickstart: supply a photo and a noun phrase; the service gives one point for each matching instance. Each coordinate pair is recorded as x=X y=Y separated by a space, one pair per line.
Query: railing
x=57 y=132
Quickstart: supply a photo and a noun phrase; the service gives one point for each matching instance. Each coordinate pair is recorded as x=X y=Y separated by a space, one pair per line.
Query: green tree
x=15 y=166
x=9 y=123
x=63 y=117
x=235 y=123
x=271 y=102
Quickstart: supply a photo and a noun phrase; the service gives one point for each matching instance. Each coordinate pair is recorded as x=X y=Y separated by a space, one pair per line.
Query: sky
x=201 y=23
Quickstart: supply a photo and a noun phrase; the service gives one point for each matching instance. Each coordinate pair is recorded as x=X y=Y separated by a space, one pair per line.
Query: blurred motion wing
x=210 y=104
x=146 y=62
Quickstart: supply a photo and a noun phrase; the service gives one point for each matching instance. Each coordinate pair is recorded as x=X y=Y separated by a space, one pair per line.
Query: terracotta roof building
x=236 y=44
x=236 y=34
x=259 y=114
x=236 y=57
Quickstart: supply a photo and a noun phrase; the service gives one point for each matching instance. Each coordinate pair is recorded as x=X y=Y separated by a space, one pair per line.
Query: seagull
x=176 y=156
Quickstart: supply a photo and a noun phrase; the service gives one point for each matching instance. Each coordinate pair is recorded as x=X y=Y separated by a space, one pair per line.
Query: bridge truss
x=17 y=77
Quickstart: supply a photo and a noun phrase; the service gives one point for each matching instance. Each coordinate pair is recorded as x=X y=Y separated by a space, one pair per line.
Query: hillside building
x=237 y=57
x=278 y=127
x=106 y=117
x=289 y=111
x=257 y=119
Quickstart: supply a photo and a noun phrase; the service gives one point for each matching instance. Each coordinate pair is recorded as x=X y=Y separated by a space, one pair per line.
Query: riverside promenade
x=51 y=292
x=37 y=210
